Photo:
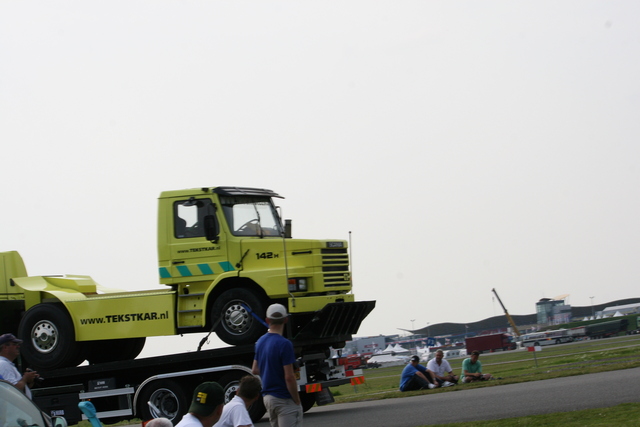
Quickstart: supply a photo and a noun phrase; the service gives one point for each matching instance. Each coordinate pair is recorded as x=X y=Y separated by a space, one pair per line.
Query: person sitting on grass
x=472 y=369
x=440 y=369
x=416 y=377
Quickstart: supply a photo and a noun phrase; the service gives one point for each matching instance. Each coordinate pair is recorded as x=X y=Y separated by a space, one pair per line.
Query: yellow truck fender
x=103 y=313
x=63 y=288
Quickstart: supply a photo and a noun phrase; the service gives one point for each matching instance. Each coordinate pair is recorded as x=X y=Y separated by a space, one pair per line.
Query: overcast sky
x=466 y=145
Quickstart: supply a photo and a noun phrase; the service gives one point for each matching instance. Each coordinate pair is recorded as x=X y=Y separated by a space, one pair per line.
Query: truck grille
x=335 y=267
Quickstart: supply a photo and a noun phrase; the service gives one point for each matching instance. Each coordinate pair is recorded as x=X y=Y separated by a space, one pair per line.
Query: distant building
x=622 y=309
x=366 y=345
x=549 y=311
x=552 y=311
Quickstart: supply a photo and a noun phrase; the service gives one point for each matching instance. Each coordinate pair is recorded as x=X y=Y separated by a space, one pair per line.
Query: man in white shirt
x=441 y=370
x=9 y=351
x=236 y=412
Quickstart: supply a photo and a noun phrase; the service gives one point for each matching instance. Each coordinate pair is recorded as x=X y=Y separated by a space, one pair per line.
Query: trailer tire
x=49 y=338
x=237 y=325
x=230 y=383
x=114 y=350
x=307 y=400
x=168 y=398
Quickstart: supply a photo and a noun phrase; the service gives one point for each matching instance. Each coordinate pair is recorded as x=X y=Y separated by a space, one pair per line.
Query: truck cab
x=225 y=252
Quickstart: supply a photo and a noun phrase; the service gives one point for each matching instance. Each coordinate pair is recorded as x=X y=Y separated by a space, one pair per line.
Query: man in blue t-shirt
x=273 y=361
x=415 y=376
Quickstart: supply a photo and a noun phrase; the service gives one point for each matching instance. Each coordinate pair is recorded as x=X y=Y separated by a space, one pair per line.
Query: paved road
x=514 y=400
x=460 y=404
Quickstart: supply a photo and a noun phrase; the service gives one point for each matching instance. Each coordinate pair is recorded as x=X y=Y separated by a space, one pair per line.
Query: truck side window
x=188 y=217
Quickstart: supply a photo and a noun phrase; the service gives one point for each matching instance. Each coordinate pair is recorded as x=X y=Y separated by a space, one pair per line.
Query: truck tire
x=230 y=383
x=49 y=338
x=168 y=400
x=237 y=325
x=114 y=350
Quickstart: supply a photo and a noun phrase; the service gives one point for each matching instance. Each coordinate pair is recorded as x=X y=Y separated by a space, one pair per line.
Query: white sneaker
x=432 y=385
x=446 y=384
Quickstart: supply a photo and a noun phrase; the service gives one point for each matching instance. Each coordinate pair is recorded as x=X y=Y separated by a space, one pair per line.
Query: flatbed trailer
x=162 y=386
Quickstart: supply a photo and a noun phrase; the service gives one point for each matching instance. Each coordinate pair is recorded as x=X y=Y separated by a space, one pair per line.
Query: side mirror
x=287 y=228
x=211 y=228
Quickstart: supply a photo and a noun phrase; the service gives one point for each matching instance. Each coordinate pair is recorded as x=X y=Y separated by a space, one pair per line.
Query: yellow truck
x=224 y=255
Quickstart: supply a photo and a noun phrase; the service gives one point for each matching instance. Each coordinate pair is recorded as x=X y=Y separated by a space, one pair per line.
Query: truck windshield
x=251 y=216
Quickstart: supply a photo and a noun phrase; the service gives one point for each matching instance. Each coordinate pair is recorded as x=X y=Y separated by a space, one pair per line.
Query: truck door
x=193 y=256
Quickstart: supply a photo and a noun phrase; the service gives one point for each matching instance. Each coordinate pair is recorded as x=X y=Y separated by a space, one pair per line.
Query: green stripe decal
x=226 y=266
x=184 y=271
x=164 y=273
x=205 y=269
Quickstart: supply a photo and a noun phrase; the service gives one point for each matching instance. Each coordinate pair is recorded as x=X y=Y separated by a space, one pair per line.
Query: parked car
x=17 y=410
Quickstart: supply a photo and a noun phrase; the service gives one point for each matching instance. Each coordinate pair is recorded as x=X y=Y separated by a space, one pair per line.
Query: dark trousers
x=417 y=383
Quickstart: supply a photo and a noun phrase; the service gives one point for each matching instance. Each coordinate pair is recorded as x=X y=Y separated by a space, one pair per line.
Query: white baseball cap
x=276 y=311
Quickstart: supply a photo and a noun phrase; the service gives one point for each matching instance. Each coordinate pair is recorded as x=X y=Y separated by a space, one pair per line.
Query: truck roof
x=224 y=191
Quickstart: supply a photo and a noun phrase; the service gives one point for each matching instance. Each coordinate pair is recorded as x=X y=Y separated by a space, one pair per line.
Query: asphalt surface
x=514 y=400
x=460 y=404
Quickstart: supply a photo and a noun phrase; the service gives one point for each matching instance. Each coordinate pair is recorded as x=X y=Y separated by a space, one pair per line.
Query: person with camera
x=9 y=351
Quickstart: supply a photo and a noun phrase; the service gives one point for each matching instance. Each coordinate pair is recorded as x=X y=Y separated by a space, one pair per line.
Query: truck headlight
x=297 y=284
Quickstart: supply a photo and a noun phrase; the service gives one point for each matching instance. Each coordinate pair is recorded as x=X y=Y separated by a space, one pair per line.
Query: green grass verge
x=626 y=414
x=511 y=367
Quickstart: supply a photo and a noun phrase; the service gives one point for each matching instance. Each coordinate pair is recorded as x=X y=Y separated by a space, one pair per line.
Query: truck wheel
x=230 y=383
x=114 y=350
x=49 y=338
x=307 y=400
x=163 y=398
x=237 y=325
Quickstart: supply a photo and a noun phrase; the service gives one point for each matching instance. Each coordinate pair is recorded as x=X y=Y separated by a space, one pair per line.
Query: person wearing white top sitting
x=440 y=369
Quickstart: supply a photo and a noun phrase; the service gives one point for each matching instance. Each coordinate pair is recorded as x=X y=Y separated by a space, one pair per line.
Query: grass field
x=510 y=367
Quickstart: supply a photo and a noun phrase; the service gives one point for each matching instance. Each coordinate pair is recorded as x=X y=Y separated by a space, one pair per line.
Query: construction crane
x=511 y=322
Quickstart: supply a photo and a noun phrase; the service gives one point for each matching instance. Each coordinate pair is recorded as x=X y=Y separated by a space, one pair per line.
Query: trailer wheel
x=114 y=350
x=163 y=398
x=307 y=400
x=49 y=338
x=230 y=383
x=237 y=325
